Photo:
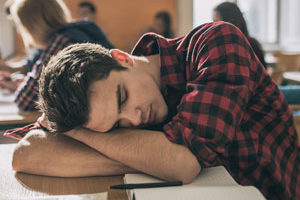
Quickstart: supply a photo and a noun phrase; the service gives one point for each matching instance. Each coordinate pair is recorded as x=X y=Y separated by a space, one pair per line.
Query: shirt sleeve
x=27 y=93
x=217 y=93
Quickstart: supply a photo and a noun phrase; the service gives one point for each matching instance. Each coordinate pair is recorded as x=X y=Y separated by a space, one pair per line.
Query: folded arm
x=58 y=155
x=147 y=151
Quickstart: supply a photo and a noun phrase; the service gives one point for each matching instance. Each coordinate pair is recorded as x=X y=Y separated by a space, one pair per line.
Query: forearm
x=59 y=155
x=147 y=151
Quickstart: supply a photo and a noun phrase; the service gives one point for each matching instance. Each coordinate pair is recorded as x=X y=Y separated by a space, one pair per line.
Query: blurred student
x=230 y=12
x=87 y=10
x=50 y=29
x=161 y=24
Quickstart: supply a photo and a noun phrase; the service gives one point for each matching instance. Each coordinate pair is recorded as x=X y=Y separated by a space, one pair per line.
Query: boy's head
x=86 y=85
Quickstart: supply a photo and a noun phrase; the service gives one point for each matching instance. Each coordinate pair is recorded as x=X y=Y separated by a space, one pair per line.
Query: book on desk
x=211 y=184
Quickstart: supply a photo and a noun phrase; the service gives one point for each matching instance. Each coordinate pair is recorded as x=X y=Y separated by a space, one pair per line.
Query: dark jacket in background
x=85 y=31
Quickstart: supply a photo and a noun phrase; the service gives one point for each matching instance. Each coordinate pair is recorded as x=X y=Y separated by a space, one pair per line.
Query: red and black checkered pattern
x=20 y=133
x=229 y=112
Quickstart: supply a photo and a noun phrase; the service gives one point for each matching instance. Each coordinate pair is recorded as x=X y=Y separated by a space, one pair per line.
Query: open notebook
x=211 y=184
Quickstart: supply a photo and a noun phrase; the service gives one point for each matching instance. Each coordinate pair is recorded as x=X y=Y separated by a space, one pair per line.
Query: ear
x=122 y=57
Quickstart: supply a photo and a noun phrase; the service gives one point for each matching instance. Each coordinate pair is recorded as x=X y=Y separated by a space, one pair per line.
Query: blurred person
x=162 y=24
x=50 y=29
x=87 y=10
x=230 y=12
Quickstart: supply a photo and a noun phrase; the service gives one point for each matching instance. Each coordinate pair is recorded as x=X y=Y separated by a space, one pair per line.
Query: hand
x=43 y=120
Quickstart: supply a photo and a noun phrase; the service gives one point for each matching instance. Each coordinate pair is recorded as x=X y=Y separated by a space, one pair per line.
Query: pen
x=146 y=185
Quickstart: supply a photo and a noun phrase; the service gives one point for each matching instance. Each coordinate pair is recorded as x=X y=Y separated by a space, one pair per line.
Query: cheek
x=146 y=91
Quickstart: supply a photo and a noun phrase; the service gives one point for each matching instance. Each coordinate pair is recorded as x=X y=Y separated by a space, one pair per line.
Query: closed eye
x=124 y=97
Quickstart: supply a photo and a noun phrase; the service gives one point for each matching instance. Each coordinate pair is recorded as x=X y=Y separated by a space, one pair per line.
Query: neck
x=151 y=65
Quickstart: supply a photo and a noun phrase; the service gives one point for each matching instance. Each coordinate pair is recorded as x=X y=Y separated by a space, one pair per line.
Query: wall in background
x=184 y=16
x=124 y=21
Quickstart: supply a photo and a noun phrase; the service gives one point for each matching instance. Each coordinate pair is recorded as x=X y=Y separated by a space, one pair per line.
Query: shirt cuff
x=20 y=133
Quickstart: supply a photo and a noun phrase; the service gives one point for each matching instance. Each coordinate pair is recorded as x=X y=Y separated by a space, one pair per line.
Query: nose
x=131 y=118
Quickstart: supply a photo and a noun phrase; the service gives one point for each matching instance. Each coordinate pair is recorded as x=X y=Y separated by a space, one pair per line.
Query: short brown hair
x=65 y=81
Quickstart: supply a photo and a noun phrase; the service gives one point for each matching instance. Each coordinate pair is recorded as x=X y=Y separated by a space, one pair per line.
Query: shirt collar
x=150 y=44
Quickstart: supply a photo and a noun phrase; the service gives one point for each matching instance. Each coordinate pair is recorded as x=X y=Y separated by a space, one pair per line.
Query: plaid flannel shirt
x=226 y=109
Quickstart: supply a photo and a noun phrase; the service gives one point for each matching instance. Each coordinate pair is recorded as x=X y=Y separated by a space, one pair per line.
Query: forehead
x=103 y=104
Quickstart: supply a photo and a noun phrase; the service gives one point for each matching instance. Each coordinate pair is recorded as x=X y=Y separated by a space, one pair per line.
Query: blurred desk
x=292 y=76
x=25 y=185
x=295 y=107
x=9 y=113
